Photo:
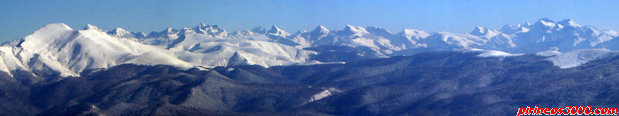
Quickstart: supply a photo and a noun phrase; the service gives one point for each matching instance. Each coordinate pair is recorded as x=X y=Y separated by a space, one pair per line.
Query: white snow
x=493 y=53
x=459 y=40
x=91 y=27
x=548 y=53
x=547 y=23
x=276 y=31
x=322 y=30
x=569 y=22
x=313 y=62
x=57 y=47
x=324 y=94
x=577 y=57
x=355 y=30
x=414 y=34
x=210 y=52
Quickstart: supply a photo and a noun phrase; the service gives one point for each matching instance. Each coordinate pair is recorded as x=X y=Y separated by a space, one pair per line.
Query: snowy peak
x=378 y=31
x=168 y=33
x=120 y=32
x=169 y=30
x=277 y=32
x=413 y=34
x=212 y=30
x=484 y=32
x=353 y=30
x=58 y=49
x=48 y=33
x=479 y=31
x=320 y=30
x=545 y=23
x=54 y=26
x=91 y=27
x=512 y=29
x=275 y=29
x=569 y=22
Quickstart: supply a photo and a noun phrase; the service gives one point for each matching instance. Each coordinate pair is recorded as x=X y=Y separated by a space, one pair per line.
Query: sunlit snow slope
x=59 y=49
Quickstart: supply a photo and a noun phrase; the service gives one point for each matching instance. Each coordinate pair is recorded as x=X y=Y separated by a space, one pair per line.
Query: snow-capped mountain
x=414 y=36
x=564 y=36
x=209 y=51
x=544 y=34
x=59 y=49
x=120 y=32
x=276 y=32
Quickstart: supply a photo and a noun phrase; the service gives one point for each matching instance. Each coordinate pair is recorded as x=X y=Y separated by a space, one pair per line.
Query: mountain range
x=204 y=70
x=57 y=49
x=429 y=83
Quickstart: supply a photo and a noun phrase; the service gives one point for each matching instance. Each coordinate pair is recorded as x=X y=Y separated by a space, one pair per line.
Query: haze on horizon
x=20 y=18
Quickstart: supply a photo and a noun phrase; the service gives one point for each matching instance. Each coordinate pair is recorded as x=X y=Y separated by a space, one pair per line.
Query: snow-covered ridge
x=57 y=48
x=577 y=57
x=542 y=35
x=323 y=94
x=492 y=53
x=548 y=53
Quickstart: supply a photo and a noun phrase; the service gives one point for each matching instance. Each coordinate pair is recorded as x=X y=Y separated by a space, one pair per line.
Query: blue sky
x=20 y=18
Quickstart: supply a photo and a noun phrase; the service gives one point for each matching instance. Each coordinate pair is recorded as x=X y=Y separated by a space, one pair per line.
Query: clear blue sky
x=19 y=18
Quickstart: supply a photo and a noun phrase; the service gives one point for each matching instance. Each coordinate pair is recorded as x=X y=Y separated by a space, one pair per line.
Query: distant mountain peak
x=545 y=22
x=57 y=26
x=484 y=32
x=479 y=30
x=276 y=31
x=377 y=29
x=169 y=30
x=212 y=30
x=569 y=22
x=349 y=27
x=545 y=19
x=91 y=27
x=511 y=29
x=201 y=25
x=119 y=30
x=320 y=29
x=353 y=30
x=413 y=33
